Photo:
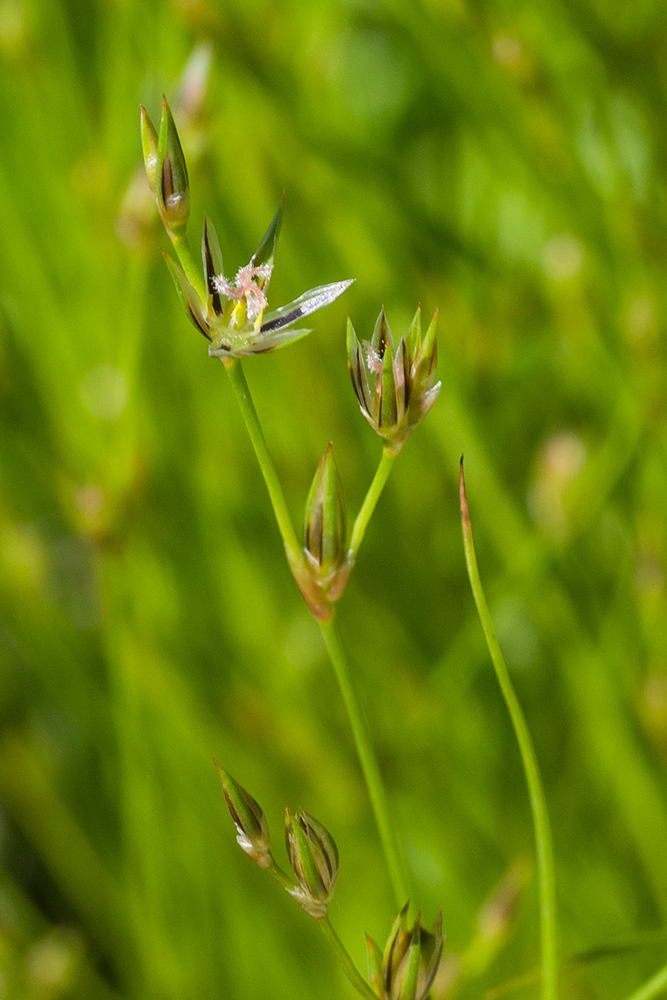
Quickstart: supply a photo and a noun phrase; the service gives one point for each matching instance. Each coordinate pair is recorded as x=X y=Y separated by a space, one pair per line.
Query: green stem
x=367 y=759
x=282 y=877
x=350 y=968
x=244 y=399
x=545 y=861
x=653 y=987
x=368 y=506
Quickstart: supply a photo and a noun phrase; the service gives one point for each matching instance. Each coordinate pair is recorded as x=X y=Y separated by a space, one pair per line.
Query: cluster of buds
x=324 y=529
x=311 y=849
x=410 y=962
x=395 y=388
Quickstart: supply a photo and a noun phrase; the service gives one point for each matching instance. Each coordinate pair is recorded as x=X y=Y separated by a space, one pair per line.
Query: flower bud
x=410 y=960
x=395 y=389
x=314 y=858
x=324 y=526
x=172 y=188
x=252 y=829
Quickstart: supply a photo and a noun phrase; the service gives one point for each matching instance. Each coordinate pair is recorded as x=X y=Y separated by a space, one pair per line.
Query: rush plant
x=394 y=380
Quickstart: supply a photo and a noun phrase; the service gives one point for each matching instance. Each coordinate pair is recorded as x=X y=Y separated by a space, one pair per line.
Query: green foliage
x=502 y=163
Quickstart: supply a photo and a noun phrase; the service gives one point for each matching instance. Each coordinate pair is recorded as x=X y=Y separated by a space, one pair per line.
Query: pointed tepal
x=172 y=187
x=266 y=251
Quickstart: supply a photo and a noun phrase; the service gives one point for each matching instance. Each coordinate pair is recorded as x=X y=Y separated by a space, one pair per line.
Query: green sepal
x=432 y=942
x=212 y=260
x=428 y=358
x=381 y=335
x=402 y=377
x=395 y=947
x=388 y=411
x=410 y=973
x=149 y=144
x=266 y=250
x=414 y=335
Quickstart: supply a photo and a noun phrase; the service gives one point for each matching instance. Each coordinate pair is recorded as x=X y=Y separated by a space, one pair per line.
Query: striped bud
x=314 y=858
x=324 y=525
x=252 y=829
x=172 y=188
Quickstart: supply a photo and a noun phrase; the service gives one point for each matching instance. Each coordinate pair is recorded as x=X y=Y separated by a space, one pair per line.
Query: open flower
x=234 y=317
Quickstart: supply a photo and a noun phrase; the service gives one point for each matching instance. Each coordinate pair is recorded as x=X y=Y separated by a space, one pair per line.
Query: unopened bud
x=314 y=858
x=410 y=960
x=324 y=527
x=172 y=188
x=395 y=388
x=252 y=829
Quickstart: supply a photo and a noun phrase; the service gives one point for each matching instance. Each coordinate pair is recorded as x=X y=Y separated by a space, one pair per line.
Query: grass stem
x=350 y=968
x=368 y=760
x=276 y=495
x=545 y=862
x=370 y=500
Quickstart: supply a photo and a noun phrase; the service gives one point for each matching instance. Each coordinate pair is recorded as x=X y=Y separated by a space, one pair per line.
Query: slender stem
x=244 y=399
x=545 y=862
x=368 y=506
x=368 y=760
x=282 y=877
x=350 y=968
x=653 y=987
x=358 y=724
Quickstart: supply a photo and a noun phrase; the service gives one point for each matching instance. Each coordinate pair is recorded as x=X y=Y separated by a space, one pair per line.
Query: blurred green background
x=505 y=163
